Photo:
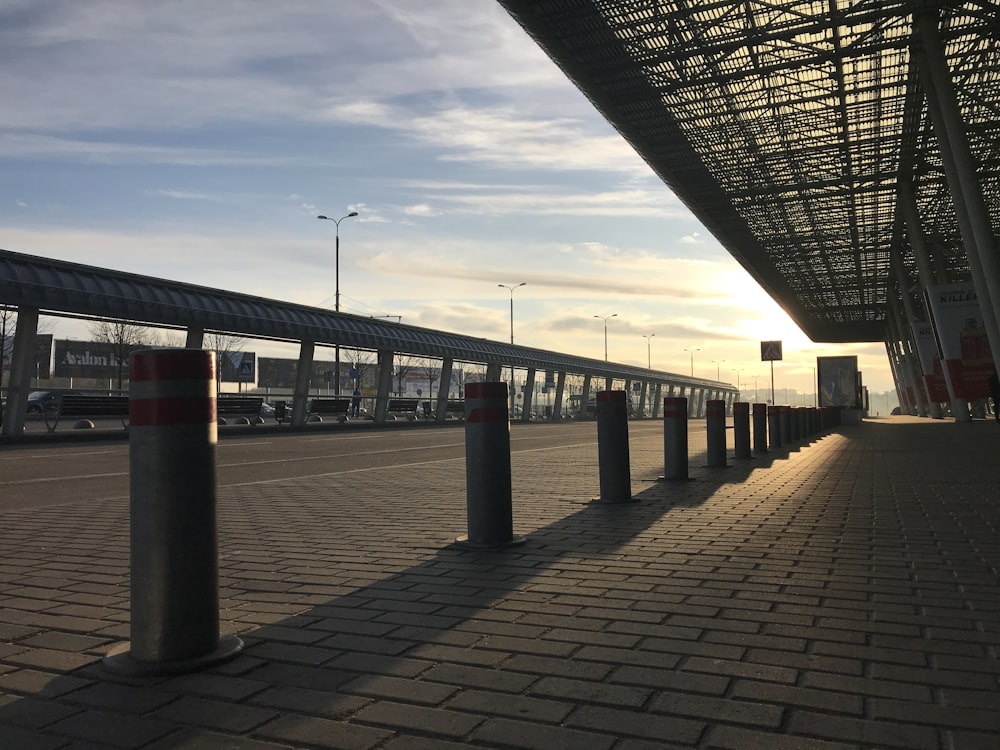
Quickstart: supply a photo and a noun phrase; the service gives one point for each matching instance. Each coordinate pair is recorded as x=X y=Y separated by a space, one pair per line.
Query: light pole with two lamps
x=336 y=293
x=717 y=362
x=649 y=357
x=605 y=319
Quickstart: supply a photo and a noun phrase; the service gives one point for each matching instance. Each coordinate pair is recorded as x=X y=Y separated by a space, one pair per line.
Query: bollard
x=741 y=429
x=675 y=438
x=783 y=417
x=488 y=497
x=793 y=424
x=174 y=551
x=612 y=446
x=715 y=424
x=774 y=426
x=760 y=428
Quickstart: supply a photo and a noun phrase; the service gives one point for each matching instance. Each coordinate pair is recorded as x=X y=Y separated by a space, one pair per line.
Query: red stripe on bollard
x=487 y=415
x=173 y=364
x=491 y=389
x=161 y=412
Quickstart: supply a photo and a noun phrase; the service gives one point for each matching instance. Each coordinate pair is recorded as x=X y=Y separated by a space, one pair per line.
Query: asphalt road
x=34 y=475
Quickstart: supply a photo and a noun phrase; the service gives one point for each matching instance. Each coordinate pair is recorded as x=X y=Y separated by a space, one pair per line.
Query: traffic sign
x=770 y=351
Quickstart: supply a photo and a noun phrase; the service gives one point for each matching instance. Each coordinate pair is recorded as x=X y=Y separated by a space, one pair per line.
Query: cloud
x=421 y=209
x=185 y=195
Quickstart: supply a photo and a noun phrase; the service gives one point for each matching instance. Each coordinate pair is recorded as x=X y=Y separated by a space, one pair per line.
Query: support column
x=444 y=387
x=584 y=397
x=960 y=171
x=384 y=387
x=302 y=377
x=657 y=391
x=22 y=367
x=493 y=370
x=643 y=394
x=560 y=389
x=195 y=338
x=529 y=393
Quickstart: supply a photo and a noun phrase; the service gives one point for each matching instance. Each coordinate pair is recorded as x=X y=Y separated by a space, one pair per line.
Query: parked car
x=41 y=401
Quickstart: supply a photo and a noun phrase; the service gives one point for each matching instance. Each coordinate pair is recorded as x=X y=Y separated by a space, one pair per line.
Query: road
x=34 y=475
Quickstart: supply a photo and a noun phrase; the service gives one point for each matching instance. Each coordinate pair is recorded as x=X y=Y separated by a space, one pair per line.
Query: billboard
x=965 y=350
x=838 y=381
x=88 y=359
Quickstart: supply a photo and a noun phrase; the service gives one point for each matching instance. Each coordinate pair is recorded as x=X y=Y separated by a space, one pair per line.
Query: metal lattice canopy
x=786 y=127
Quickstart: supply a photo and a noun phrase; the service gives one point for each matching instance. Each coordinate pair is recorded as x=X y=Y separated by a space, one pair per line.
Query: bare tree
x=404 y=366
x=364 y=361
x=225 y=346
x=8 y=324
x=123 y=338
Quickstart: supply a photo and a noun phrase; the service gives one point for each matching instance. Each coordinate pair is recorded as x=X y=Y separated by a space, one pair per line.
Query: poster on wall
x=838 y=381
x=965 y=350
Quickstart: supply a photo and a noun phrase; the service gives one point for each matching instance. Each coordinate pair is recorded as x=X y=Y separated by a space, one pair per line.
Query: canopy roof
x=788 y=127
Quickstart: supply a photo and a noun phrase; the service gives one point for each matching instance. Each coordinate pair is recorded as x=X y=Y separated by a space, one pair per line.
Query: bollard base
x=615 y=501
x=463 y=541
x=120 y=661
x=674 y=479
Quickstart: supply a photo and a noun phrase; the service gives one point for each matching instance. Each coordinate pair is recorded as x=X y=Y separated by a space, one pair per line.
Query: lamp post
x=738 y=378
x=717 y=362
x=511 y=290
x=692 y=351
x=605 y=319
x=336 y=293
x=649 y=359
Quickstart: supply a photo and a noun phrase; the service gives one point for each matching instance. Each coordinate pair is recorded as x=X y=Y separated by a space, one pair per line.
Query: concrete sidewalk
x=839 y=593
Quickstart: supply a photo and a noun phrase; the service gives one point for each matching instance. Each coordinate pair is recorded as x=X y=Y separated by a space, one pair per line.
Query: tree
x=404 y=366
x=123 y=338
x=225 y=346
x=8 y=324
x=364 y=361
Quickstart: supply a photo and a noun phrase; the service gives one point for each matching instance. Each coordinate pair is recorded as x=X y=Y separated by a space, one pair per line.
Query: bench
x=244 y=409
x=86 y=408
x=409 y=408
x=329 y=407
x=454 y=410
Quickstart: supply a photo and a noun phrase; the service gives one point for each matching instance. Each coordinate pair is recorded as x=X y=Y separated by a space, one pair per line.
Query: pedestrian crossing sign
x=770 y=351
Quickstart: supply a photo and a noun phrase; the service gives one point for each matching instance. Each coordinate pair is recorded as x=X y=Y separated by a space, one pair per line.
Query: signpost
x=769 y=352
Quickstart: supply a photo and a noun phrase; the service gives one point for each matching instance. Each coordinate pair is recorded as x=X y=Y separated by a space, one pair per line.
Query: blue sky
x=198 y=141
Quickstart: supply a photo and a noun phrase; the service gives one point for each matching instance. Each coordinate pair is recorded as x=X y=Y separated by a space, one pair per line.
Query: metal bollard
x=488 y=496
x=612 y=446
x=760 y=428
x=741 y=429
x=784 y=413
x=774 y=426
x=675 y=438
x=174 y=551
x=715 y=424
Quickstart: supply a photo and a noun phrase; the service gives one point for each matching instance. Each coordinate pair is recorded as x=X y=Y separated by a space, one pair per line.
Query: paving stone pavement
x=838 y=593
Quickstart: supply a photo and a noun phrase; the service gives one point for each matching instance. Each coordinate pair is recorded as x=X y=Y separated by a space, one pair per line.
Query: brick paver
x=837 y=593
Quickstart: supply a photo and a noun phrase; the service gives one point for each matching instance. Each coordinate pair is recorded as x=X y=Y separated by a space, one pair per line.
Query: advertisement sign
x=87 y=359
x=930 y=361
x=838 y=381
x=965 y=349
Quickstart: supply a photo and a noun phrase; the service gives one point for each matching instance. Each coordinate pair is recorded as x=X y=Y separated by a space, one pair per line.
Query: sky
x=198 y=142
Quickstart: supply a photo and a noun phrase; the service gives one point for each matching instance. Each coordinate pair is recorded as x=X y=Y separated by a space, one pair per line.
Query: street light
x=649 y=359
x=717 y=362
x=336 y=293
x=513 y=384
x=605 y=319
x=511 y=290
x=738 y=378
x=692 y=351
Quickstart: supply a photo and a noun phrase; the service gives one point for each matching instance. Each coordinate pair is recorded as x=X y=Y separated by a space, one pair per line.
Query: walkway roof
x=787 y=127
